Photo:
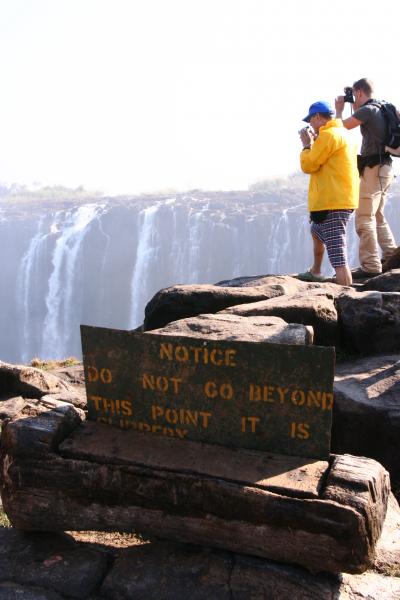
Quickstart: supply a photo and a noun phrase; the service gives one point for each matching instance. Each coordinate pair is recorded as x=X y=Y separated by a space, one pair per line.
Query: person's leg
x=385 y=236
x=343 y=275
x=370 y=198
x=336 y=244
x=318 y=251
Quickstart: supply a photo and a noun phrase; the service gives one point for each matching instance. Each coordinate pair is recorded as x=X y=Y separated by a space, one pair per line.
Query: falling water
x=59 y=304
x=145 y=255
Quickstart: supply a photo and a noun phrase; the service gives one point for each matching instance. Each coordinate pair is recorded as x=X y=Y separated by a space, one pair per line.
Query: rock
x=95 y=477
x=316 y=310
x=77 y=397
x=387 y=282
x=29 y=382
x=366 y=411
x=387 y=554
x=51 y=561
x=285 y=283
x=72 y=374
x=10 y=408
x=393 y=262
x=232 y=327
x=165 y=570
x=183 y=301
x=14 y=591
x=369 y=321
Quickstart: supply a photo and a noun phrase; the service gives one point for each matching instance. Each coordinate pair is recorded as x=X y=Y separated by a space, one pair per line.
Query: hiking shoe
x=361 y=274
x=308 y=276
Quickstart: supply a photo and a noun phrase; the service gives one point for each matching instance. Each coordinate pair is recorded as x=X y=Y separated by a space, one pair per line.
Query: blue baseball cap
x=318 y=107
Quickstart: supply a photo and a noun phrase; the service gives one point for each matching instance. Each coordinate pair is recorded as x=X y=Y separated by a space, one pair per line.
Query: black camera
x=348 y=95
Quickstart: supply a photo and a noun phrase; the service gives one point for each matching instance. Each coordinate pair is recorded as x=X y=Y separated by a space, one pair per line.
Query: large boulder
x=233 y=327
x=182 y=301
x=387 y=282
x=369 y=321
x=366 y=412
x=30 y=382
x=315 y=309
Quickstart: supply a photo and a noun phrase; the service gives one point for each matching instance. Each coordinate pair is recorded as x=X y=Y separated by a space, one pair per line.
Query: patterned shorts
x=332 y=233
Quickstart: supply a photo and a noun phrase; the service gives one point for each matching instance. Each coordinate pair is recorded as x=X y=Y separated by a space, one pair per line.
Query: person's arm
x=350 y=122
x=312 y=160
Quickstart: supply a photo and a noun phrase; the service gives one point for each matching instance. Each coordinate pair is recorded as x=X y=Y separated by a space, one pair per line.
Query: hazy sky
x=151 y=95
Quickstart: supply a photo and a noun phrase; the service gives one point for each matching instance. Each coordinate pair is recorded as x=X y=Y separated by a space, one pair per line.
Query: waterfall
x=145 y=255
x=59 y=304
x=99 y=263
x=25 y=287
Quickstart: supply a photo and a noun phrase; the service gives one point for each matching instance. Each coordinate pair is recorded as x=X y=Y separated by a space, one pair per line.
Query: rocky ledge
x=362 y=322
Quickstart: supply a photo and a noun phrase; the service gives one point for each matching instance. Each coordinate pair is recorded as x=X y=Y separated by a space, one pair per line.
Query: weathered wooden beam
x=61 y=474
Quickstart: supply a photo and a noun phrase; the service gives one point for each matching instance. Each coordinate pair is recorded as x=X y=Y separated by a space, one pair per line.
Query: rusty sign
x=270 y=397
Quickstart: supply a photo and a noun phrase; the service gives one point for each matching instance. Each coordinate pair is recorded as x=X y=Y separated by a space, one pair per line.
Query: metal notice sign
x=269 y=397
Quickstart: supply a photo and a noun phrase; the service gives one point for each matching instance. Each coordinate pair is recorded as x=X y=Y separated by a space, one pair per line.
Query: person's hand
x=339 y=105
x=306 y=136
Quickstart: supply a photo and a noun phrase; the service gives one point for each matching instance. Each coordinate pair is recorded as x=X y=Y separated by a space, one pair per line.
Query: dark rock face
x=50 y=561
x=393 y=262
x=366 y=413
x=369 y=321
x=387 y=282
x=233 y=327
x=170 y=571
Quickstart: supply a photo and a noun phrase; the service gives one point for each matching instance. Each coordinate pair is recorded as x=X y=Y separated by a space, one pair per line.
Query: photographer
x=376 y=175
x=331 y=160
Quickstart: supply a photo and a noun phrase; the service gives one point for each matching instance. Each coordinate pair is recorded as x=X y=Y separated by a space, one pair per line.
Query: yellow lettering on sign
x=282 y=393
x=111 y=407
x=183 y=416
x=166 y=351
x=160 y=383
x=153 y=428
x=252 y=421
x=198 y=354
x=223 y=390
x=94 y=375
x=300 y=431
x=258 y=392
x=298 y=397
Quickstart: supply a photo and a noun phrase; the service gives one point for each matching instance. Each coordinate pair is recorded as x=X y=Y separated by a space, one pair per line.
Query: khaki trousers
x=371 y=225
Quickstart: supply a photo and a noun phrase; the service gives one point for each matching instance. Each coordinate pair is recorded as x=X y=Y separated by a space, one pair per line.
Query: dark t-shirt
x=373 y=129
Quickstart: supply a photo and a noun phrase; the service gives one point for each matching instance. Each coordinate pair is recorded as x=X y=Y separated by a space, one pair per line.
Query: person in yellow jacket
x=330 y=158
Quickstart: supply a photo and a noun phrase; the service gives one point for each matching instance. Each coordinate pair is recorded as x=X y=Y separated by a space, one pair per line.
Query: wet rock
x=366 y=413
x=317 y=310
x=233 y=327
x=369 y=321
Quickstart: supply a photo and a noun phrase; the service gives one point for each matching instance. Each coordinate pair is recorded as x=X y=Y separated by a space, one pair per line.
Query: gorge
x=98 y=260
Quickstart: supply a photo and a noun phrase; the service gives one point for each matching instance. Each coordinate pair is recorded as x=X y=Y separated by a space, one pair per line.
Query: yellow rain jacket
x=332 y=164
